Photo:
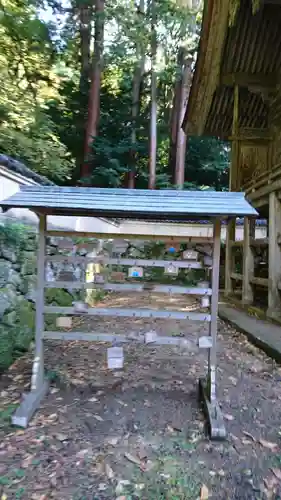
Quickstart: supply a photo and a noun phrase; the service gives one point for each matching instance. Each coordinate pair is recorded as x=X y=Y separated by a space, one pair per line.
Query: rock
x=5 y=271
x=6 y=348
x=8 y=297
x=61 y=437
x=9 y=254
x=15 y=279
x=29 y=263
x=10 y=318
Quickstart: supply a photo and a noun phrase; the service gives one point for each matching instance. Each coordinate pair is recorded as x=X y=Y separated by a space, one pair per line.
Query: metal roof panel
x=129 y=203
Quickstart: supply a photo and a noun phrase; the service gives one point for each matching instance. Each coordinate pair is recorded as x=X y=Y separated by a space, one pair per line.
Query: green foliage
x=27 y=79
x=44 y=94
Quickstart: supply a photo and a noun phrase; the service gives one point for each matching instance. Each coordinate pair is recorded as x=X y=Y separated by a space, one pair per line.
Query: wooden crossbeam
x=146 y=237
x=179 y=264
x=126 y=287
x=236 y=276
x=204 y=342
x=260 y=80
x=259 y=281
x=130 y=313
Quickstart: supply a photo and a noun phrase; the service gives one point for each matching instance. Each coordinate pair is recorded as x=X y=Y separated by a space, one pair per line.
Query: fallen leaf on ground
x=26 y=462
x=271 y=482
x=268 y=444
x=229 y=417
x=102 y=487
x=233 y=380
x=97 y=417
x=142 y=453
x=132 y=459
x=204 y=493
x=113 y=441
x=61 y=437
x=82 y=453
x=249 y=435
x=109 y=472
x=277 y=472
x=121 y=402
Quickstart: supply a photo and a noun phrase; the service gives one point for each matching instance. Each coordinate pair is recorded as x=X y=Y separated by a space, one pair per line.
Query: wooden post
x=231 y=226
x=248 y=261
x=37 y=380
x=212 y=362
x=230 y=237
x=274 y=257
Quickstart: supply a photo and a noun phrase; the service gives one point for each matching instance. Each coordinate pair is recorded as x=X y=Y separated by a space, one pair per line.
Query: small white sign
x=99 y=278
x=135 y=272
x=172 y=270
x=115 y=358
x=65 y=244
x=150 y=337
x=205 y=301
x=208 y=261
x=190 y=255
x=64 y=322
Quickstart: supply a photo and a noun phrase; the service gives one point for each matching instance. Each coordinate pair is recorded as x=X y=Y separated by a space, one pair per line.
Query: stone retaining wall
x=18 y=260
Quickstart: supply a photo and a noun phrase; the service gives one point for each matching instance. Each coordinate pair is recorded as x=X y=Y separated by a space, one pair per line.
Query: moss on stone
x=6 y=348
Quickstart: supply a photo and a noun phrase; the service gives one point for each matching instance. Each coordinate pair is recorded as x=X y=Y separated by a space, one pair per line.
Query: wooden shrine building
x=236 y=96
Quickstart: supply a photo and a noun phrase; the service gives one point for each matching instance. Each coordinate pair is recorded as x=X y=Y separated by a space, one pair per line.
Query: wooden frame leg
x=208 y=391
x=248 y=261
x=39 y=386
x=230 y=237
x=274 y=257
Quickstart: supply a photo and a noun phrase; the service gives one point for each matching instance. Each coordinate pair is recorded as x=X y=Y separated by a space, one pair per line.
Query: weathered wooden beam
x=255 y=280
x=127 y=287
x=212 y=361
x=259 y=242
x=127 y=236
x=251 y=135
x=236 y=243
x=30 y=403
x=274 y=257
x=189 y=342
x=236 y=276
x=253 y=194
x=248 y=261
x=130 y=313
x=213 y=413
x=37 y=379
x=229 y=258
x=243 y=79
x=179 y=264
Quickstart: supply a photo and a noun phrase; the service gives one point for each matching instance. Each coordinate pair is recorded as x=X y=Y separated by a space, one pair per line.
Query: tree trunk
x=138 y=74
x=85 y=13
x=94 y=94
x=153 y=112
x=175 y=118
x=181 y=136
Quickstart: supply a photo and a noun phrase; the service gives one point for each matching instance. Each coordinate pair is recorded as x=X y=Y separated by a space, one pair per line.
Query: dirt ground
x=139 y=433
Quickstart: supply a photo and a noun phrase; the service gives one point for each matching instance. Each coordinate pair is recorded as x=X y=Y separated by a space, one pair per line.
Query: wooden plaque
x=64 y=322
x=172 y=270
x=135 y=272
x=118 y=276
x=99 y=278
x=66 y=244
x=190 y=255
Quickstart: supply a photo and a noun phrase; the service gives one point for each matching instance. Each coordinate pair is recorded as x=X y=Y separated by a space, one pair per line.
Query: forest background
x=93 y=92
